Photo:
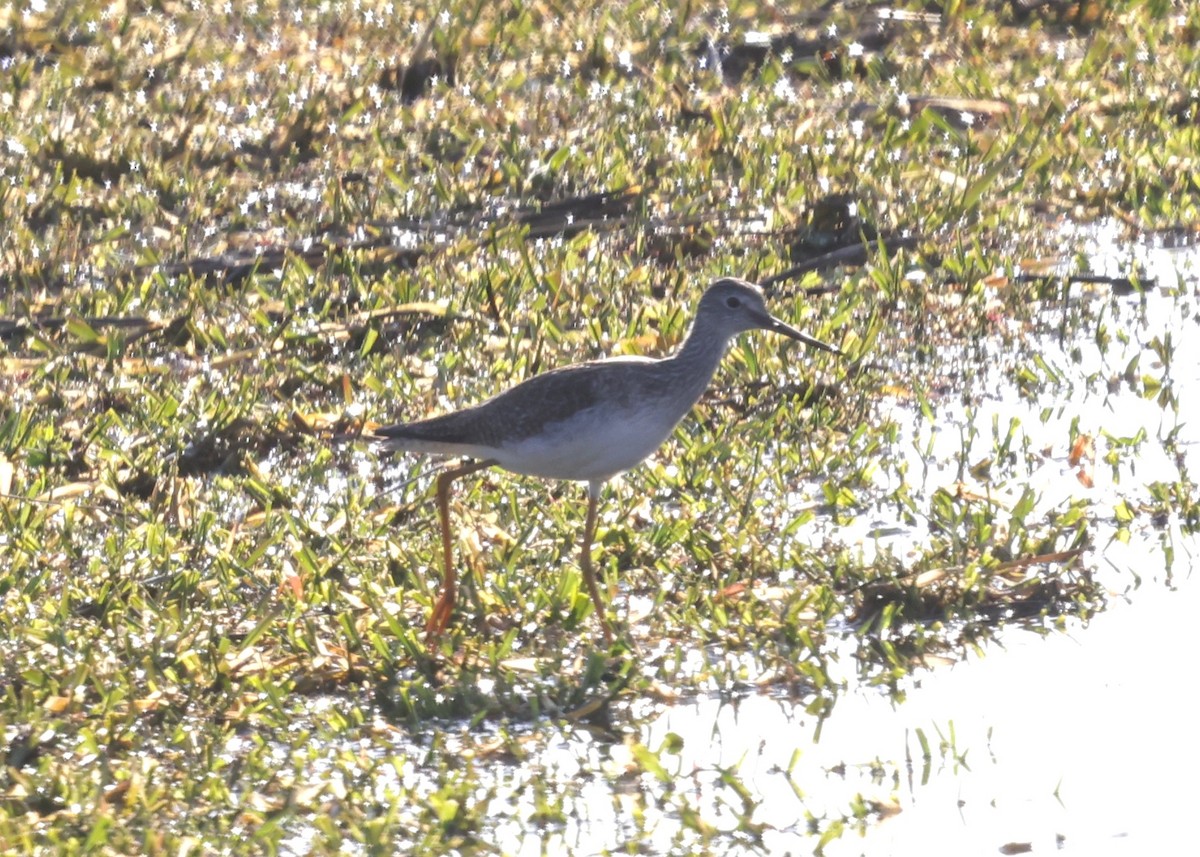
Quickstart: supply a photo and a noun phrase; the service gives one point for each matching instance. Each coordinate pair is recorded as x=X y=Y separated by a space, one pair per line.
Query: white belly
x=594 y=445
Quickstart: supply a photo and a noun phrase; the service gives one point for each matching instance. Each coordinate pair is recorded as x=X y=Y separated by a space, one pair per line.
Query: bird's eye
x=732 y=303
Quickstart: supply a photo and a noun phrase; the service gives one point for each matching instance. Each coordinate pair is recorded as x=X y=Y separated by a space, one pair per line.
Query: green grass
x=228 y=236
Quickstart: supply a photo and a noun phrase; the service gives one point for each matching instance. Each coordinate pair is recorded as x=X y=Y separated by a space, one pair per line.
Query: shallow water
x=1081 y=741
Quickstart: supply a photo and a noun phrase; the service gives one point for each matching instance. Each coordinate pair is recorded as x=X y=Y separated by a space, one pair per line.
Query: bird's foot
x=438 y=620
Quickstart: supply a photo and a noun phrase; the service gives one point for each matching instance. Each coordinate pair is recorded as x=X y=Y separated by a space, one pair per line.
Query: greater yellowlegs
x=586 y=422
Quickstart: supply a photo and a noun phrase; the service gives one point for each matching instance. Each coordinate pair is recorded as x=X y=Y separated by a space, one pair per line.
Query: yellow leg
x=585 y=562
x=444 y=606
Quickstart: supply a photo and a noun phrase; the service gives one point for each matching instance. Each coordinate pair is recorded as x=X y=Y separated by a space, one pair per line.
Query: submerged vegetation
x=232 y=235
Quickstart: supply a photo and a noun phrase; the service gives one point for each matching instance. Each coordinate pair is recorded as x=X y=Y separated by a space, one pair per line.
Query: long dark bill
x=774 y=324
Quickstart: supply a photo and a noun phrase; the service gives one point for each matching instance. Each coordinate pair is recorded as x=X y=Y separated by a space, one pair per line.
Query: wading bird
x=586 y=422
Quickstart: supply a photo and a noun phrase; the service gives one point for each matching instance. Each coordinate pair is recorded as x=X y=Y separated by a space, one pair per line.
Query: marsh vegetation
x=232 y=233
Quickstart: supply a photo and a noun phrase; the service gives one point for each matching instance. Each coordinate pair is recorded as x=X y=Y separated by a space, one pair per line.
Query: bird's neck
x=697 y=359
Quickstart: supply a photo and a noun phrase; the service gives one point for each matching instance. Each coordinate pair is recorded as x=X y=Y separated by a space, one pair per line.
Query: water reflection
x=1080 y=741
